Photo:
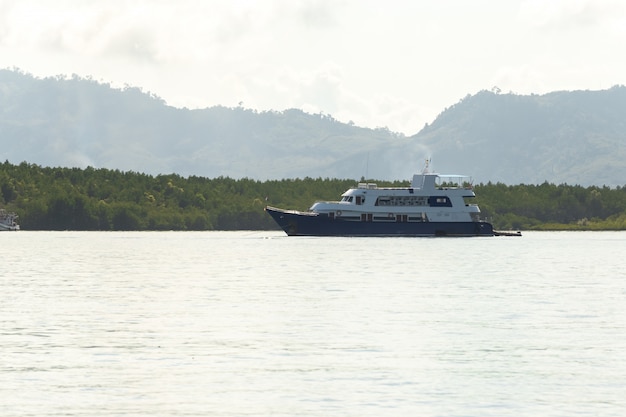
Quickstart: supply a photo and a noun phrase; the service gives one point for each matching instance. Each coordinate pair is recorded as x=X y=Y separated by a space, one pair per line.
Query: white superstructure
x=430 y=197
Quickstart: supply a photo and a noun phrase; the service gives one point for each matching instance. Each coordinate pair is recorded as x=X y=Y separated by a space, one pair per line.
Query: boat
x=507 y=233
x=8 y=220
x=432 y=205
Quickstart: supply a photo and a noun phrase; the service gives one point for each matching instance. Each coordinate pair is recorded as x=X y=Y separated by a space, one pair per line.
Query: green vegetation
x=553 y=207
x=102 y=199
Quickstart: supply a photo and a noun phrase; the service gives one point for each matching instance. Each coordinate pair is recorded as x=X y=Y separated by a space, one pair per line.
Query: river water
x=259 y=324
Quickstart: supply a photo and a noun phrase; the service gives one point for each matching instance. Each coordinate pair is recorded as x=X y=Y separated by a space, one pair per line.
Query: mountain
x=78 y=122
x=573 y=137
x=563 y=137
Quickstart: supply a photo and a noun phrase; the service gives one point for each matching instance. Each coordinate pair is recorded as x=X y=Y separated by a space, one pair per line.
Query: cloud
x=76 y=28
x=571 y=14
x=317 y=14
x=394 y=64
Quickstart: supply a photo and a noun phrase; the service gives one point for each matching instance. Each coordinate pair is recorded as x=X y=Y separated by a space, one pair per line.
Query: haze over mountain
x=573 y=137
x=562 y=137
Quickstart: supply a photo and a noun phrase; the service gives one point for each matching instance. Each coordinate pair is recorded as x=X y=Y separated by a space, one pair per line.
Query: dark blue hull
x=313 y=224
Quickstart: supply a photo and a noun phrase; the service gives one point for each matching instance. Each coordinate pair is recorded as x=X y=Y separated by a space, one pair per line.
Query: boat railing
x=303 y=213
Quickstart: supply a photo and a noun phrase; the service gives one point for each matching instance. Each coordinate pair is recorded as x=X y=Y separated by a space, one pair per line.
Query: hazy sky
x=393 y=63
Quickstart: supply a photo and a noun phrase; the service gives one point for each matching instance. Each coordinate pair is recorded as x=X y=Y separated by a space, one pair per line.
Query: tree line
x=48 y=198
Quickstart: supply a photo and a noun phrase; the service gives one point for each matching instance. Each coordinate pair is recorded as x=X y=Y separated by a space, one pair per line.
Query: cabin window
x=438 y=201
x=385 y=218
x=359 y=200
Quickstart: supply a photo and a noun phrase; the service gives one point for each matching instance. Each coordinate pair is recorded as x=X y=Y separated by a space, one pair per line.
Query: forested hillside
x=572 y=137
x=102 y=199
x=568 y=137
x=75 y=122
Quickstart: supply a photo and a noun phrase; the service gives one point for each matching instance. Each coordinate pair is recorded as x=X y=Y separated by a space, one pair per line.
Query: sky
x=394 y=64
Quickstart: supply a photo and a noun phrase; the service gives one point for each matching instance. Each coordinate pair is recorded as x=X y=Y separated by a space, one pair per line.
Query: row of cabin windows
x=432 y=201
x=402 y=201
x=398 y=218
x=368 y=217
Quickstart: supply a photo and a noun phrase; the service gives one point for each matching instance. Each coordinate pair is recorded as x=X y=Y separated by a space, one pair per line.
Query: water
x=258 y=324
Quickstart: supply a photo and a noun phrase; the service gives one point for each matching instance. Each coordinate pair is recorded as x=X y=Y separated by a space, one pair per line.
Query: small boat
x=8 y=220
x=432 y=205
x=507 y=233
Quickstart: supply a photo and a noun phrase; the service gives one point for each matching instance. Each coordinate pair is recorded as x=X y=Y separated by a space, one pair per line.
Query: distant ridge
x=562 y=137
x=576 y=137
